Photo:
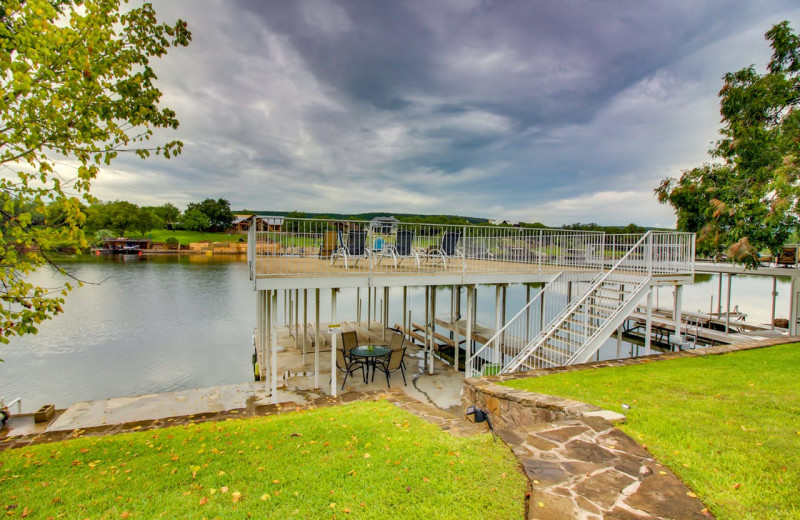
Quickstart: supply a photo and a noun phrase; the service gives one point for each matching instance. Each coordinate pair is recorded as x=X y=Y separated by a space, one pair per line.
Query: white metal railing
x=579 y=323
x=515 y=336
x=288 y=246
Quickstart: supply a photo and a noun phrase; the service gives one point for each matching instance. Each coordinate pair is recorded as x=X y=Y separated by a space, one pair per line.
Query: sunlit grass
x=728 y=425
x=364 y=460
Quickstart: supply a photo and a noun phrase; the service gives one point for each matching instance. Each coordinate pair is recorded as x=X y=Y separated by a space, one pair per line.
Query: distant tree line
x=120 y=216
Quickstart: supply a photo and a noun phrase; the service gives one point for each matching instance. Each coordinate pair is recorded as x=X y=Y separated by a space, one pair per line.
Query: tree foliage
x=218 y=212
x=76 y=89
x=747 y=200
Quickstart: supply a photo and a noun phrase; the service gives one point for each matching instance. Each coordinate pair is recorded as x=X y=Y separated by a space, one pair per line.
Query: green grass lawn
x=363 y=460
x=728 y=425
x=186 y=237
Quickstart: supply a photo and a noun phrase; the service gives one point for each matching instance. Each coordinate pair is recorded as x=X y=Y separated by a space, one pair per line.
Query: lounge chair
x=402 y=248
x=392 y=363
x=447 y=248
x=353 y=250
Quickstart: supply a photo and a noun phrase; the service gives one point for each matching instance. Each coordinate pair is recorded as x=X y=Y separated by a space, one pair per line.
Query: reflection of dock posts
x=317 y=339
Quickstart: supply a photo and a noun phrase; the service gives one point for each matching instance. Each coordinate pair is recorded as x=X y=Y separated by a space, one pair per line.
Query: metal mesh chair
x=392 y=363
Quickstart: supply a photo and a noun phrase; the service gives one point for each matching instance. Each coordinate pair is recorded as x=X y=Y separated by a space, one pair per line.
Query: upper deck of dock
x=317 y=253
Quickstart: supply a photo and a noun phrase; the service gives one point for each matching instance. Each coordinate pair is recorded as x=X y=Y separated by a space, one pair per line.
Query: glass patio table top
x=369 y=351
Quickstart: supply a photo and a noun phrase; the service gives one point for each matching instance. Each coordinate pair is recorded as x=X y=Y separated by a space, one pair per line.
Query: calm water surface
x=159 y=324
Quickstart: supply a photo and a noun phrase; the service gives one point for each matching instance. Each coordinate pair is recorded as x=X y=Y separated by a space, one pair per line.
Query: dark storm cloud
x=535 y=110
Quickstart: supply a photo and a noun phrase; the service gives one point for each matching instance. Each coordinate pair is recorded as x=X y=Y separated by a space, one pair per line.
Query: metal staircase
x=574 y=314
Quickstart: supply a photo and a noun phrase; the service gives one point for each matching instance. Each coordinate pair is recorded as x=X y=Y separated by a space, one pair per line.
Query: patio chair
x=396 y=343
x=402 y=248
x=354 y=249
x=447 y=248
x=392 y=363
x=349 y=342
x=344 y=364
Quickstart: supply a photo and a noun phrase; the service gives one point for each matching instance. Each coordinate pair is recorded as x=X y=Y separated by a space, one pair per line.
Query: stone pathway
x=586 y=469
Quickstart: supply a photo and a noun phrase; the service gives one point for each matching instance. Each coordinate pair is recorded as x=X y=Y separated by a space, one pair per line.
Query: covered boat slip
x=300 y=259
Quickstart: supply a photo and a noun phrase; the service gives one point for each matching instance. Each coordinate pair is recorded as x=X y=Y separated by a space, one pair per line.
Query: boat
x=123 y=246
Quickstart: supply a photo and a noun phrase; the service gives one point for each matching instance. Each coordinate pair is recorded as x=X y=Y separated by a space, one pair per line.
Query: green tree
x=195 y=220
x=747 y=200
x=76 y=86
x=168 y=213
x=218 y=212
x=146 y=219
x=119 y=216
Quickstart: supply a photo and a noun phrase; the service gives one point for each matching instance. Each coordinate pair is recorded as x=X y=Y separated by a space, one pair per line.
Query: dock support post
x=648 y=322
x=405 y=310
x=385 y=310
x=468 y=332
x=719 y=298
x=305 y=323
x=527 y=313
x=793 y=301
x=369 y=308
x=297 y=318
x=317 y=338
x=774 y=295
x=498 y=295
x=433 y=326
x=261 y=323
x=273 y=358
x=728 y=306
x=678 y=295
x=454 y=320
x=266 y=318
x=426 y=323
x=333 y=343
x=358 y=305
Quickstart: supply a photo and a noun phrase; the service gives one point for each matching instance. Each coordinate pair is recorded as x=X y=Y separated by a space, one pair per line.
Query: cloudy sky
x=537 y=110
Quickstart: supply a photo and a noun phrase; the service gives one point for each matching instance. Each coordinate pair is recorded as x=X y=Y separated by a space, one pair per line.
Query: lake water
x=167 y=323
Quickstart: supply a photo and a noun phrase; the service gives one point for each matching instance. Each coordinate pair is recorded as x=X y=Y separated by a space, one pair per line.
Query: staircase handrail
x=568 y=309
x=502 y=330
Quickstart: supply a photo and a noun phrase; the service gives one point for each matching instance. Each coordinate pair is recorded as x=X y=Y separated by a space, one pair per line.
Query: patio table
x=370 y=355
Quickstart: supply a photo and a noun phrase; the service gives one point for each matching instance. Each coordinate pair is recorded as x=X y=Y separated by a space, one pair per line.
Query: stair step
x=559 y=351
